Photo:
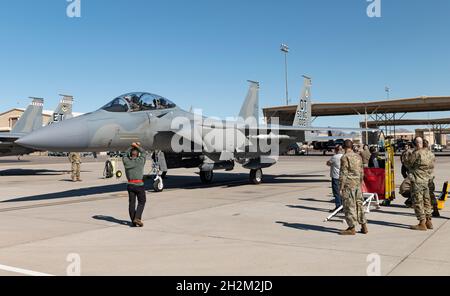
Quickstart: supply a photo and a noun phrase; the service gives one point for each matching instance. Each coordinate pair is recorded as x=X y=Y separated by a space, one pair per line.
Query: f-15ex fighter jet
x=179 y=138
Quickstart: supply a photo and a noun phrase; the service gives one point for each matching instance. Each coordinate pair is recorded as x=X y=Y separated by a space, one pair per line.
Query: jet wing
x=242 y=126
x=311 y=128
x=254 y=132
x=293 y=133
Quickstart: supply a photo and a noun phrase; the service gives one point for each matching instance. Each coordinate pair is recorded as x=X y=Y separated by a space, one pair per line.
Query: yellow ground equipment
x=112 y=168
x=390 y=173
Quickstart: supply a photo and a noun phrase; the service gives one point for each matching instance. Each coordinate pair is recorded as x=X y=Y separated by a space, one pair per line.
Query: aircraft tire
x=158 y=185
x=256 y=176
x=206 y=177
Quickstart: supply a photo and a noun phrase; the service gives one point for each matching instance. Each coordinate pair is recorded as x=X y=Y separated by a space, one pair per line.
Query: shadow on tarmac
x=388 y=224
x=410 y=214
x=222 y=180
x=307 y=227
x=113 y=220
x=23 y=172
x=318 y=200
x=71 y=193
x=310 y=208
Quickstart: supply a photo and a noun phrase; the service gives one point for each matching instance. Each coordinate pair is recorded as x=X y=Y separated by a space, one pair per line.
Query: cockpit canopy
x=138 y=101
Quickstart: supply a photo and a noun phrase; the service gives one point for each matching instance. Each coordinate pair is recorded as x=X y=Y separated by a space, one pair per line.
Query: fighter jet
x=178 y=138
x=30 y=121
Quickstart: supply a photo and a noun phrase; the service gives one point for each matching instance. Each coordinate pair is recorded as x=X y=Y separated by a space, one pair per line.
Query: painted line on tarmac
x=23 y=271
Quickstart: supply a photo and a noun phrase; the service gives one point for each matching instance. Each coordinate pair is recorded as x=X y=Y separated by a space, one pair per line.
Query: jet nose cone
x=66 y=136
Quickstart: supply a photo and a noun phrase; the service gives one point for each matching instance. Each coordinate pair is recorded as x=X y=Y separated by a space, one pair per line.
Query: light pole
x=387 y=89
x=285 y=49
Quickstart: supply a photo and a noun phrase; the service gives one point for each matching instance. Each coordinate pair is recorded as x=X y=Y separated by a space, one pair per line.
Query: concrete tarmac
x=227 y=228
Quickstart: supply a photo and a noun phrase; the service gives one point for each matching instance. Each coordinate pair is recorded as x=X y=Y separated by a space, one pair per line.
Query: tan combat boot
x=421 y=227
x=429 y=224
x=364 y=229
x=349 y=231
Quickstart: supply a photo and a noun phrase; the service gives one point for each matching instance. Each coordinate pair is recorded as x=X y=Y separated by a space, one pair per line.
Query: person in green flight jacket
x=134 y=162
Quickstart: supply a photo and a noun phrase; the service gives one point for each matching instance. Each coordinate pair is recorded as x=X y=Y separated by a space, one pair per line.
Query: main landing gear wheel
x=256 y=176
x=158 y=184
x=206 y=177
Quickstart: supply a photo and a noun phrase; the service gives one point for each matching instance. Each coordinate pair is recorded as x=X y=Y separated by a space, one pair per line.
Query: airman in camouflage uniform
x=404 y=159
x=351 y=178
x=365 y=155
x=431 y=184
x=405 y=188
x=75 y=160
x=420 y=165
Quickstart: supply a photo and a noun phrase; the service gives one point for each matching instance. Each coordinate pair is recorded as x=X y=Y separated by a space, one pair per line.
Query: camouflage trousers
x=352 y=200
x=406 y=191
x=76 y=171
x=422 y=201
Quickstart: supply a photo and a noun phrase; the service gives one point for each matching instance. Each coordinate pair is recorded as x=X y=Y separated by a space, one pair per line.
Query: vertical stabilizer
x=31 y=118
x=303 y=114
x=250 y=108
x=64 y=109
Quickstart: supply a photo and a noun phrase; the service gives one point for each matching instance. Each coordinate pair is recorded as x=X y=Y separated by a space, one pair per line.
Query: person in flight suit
x=75 y=160
x=420 y=165
x=351 y=178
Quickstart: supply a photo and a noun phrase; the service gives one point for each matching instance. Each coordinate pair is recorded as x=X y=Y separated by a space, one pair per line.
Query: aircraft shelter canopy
x=409 y=122
x=419 y=104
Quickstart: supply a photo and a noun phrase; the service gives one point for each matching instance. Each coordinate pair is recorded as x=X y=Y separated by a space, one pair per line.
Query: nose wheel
x=206 y=176
x=256 y=176
x=158 y=184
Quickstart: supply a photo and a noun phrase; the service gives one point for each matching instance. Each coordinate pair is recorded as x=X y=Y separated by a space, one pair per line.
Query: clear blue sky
x=201 y=52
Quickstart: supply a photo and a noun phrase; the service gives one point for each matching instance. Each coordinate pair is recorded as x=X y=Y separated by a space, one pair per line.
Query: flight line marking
x=23 y=271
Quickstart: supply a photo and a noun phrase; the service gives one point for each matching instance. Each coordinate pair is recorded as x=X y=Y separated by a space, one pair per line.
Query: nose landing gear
x=158 y=184
x=256 y=176
x=159 y=170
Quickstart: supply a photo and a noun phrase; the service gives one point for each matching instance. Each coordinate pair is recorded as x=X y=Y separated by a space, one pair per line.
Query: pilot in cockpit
x=133 y=102
x=157 y=104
